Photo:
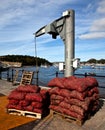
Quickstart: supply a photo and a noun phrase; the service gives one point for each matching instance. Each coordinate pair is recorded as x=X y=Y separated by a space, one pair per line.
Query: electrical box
x=76 y=63
x=61 y=66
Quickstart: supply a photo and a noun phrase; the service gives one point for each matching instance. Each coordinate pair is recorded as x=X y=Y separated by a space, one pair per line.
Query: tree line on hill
x=25 y=60
x=30 y=60
x=92 y=60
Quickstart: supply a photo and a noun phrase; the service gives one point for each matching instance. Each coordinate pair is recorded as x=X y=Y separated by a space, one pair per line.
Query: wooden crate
x=24 y=113
x=67 y=118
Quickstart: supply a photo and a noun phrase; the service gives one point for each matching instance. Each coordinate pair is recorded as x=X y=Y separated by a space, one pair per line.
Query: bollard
x=85 y=74
x=56 y=73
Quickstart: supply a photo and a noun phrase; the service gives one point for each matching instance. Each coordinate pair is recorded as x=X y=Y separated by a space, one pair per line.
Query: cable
x=36 y=60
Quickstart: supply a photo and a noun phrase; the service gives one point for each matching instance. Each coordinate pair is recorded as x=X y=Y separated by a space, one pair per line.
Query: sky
x=19 y=19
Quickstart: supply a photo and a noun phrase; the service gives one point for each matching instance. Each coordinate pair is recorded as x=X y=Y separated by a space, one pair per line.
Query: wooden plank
x=15 y=77
x=24 y=113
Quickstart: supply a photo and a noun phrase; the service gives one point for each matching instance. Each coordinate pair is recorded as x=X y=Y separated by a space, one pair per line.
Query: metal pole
x=69 y=44
x=8 y=79
x=12 y=75
x=37 y=77
x=0 y=74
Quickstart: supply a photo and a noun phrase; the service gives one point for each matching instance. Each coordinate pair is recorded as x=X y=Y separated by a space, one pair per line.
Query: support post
x=37 y=77
x=12 y=75
x=69 y=44
x=0 y=74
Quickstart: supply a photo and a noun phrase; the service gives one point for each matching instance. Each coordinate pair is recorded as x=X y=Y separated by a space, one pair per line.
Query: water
x=46 y=74
x=98 y=71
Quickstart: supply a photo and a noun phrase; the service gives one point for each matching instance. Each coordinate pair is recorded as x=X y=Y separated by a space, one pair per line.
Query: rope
x=36 y=61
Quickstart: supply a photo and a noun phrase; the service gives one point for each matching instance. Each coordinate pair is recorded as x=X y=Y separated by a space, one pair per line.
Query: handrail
x=9 y=75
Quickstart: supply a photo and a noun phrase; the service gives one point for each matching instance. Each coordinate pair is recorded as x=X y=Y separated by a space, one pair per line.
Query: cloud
x=93 y=35
x=97 y=27
x=101 y=7
x=13 y=12
x=88 y=50
x=19 y=19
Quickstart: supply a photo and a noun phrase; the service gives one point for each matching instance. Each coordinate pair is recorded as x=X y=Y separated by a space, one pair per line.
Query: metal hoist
x=64 y=27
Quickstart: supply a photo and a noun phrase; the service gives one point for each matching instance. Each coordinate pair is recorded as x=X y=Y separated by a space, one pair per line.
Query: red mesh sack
x=64 y=93
x=76 y=84
x=56 y=97
x=24 y=103
x=16 y=95
x=72 y=94
x=77 y=109
x=11 y=106
x=54 y=90
x=55 y=102
x=28 y=88
x=73 y=108
x=78 y=95
x=38 y=110
x=83 y=104
x=91 y=81
x=70 y=78
x=92 y=91
x=58 y=82
x=44 y=93
x=94 y=106
x=65 y=105
x=94 y=97
x=34 y=97
x=56 y=108
x=13 y=101
x=37 y=104
x=28 y=108
x=72 y=114
x=66 y=111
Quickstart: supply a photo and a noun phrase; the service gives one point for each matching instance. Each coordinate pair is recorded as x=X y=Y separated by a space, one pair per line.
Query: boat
x=92 y=74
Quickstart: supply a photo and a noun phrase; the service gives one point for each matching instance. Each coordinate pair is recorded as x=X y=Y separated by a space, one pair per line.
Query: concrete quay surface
x=96 y=122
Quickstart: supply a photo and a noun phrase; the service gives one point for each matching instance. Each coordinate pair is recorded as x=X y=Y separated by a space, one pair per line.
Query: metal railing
x=10 y=73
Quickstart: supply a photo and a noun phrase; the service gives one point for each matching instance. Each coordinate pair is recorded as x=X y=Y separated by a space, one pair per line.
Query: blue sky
x=19 y=19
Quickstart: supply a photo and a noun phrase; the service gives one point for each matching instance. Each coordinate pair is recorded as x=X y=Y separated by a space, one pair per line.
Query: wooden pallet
x=67 y=118
x=24 y=113
x=26 y=77
x=15 y=77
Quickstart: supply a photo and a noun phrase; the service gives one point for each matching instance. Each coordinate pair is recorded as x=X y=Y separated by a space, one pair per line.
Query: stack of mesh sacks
x=29 y=98
x=75 y=97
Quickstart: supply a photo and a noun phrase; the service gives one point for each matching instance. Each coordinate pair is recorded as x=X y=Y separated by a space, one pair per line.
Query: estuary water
x=45 y=74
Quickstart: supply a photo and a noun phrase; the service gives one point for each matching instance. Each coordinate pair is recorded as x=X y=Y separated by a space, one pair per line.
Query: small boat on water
x=92 y=73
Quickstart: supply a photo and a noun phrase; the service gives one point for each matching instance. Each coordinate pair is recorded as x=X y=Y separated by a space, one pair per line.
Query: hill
x=25 y=60
x=95 y=61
